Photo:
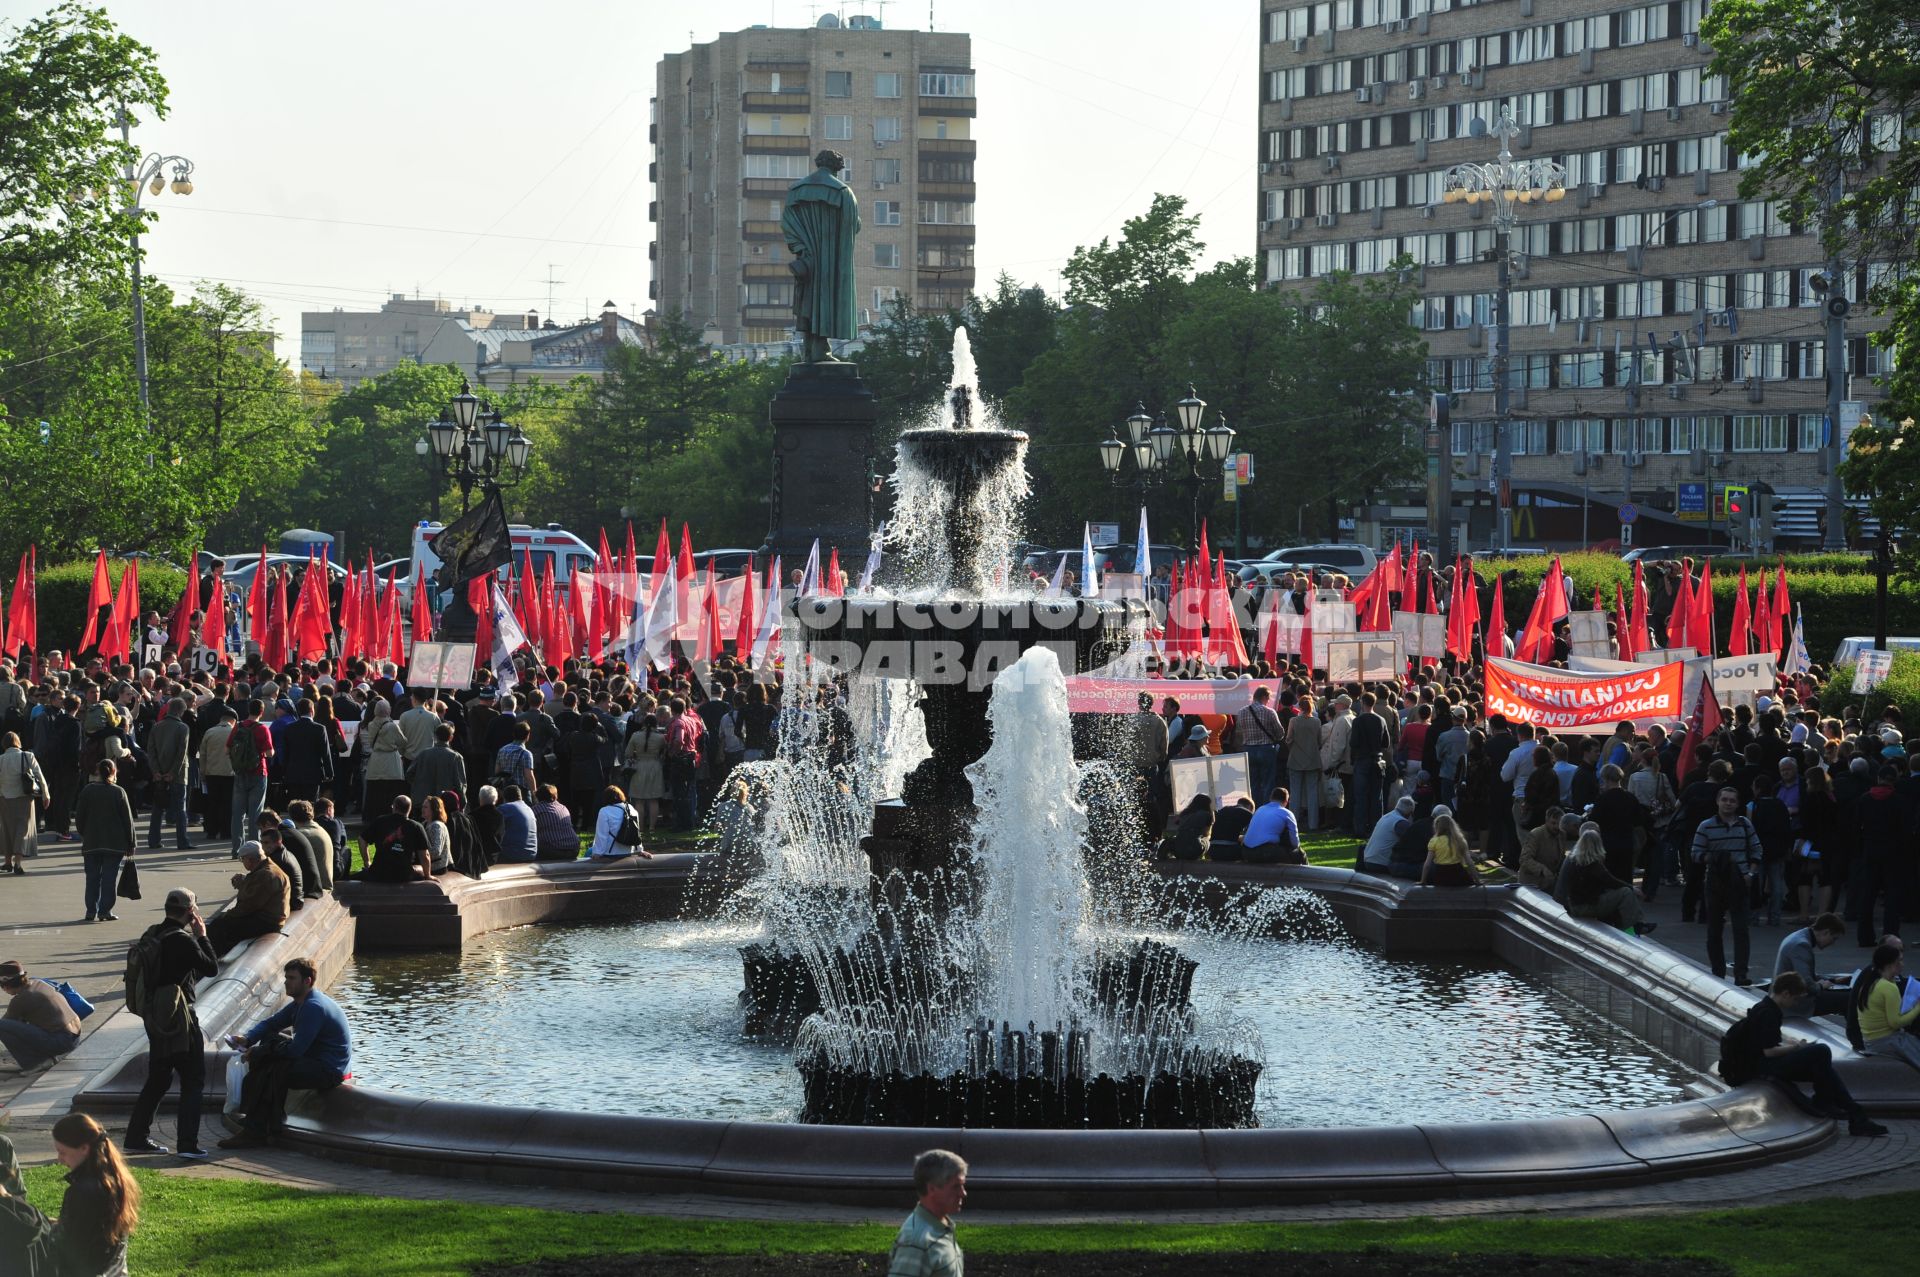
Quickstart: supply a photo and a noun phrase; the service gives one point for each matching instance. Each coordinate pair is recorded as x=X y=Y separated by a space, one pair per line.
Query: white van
x=553 y=549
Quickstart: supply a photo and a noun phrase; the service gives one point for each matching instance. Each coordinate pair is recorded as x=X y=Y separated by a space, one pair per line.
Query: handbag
x=236 y=1081
x=81 y=1007
x=30 y=775
x=129 y=888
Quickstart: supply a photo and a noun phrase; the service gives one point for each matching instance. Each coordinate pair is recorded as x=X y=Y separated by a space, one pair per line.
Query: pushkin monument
x=823 y=416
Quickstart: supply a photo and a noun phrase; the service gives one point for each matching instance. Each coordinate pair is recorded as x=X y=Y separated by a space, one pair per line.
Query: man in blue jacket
x=317 y=1057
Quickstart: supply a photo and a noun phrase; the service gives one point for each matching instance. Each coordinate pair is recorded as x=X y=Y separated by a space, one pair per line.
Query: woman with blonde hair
x=1449 y=859
x=97 y=1215
x=1593 y=892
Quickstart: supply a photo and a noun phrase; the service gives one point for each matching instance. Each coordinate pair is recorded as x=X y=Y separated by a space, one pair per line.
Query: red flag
x=350 y=640
x=748 y=625
x=683 y=576
x=370 y=634
x=180 y=620
x=422 y=605
x=274 y=650
x=834 y=588
x=1549 y=605
x=1680 y=620
x=396 y=647
x=1598 y=606
x=1762 y=615
x=125 y=615
x=213 y=627
x=1496 y=630
x=1700 y=728
x=662 y=565
x=1642 y=636
x=1459 y=621
x=99 y=595
x=1742 y=618
x=1202 y=553
x=587 y=610
x=1700 y=624
x=1782 y=612
x=257 y=599
x=23 y=613
x=1622 y=622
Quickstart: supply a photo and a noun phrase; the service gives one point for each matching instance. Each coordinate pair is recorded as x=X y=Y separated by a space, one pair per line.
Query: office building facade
x=1668 y=338
x=738 y=120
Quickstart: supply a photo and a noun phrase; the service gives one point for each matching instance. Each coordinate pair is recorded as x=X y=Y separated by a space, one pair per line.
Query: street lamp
x=475 y=447
x=1506 y=184
x=1159 y=450
x=146 y=178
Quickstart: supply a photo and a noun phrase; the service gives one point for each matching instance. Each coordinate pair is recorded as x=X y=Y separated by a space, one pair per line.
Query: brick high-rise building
x=737 y=120
x=1666 y=334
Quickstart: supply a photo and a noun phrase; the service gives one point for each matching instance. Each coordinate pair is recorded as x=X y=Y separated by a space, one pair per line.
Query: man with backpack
x=1727 y=852
x=1753 y=1048
x=250 y=750
x=164 y=966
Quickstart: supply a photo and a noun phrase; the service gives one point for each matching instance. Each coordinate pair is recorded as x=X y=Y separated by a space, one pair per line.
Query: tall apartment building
x=738 y=120
x=1667 y=337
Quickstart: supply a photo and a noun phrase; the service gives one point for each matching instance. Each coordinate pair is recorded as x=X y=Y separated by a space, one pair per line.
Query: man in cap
x=38 y=1026
x=166 y=963
x=261 y=905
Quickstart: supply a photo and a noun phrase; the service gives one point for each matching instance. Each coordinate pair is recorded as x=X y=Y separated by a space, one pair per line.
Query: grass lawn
x=1333 y=847
x=240 y=1227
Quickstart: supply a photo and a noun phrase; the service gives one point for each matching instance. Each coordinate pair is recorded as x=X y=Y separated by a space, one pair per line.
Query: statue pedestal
x=822 y=449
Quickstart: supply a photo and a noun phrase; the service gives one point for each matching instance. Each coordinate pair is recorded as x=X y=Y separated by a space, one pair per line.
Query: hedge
x=1901 y=687
x=1834 y=592
x=63 y=597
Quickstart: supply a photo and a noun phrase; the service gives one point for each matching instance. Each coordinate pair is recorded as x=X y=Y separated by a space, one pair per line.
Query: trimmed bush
x=1902 y=688
x=63 y=596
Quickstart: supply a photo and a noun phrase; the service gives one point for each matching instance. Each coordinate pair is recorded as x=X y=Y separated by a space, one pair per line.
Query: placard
x=1665 y=655
x=1872 y=669
x=208 y=660
x=1329 y=619
x=1587 y=633
x=1753 y=674
x=443 y=665
x=1224 y=777
x=1365 y=658
x=1576 y=704
x=150 y=653
x=1423 y=636
x=350 y=729
x=1115 y=586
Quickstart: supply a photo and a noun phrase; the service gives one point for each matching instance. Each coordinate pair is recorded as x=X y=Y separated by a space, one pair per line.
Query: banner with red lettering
x=1575 y=704
x=1101 y=693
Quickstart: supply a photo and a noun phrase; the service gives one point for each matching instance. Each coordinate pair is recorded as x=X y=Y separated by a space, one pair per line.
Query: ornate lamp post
x=472 y=445
x=147 y=178
x=1162 y=450
x=1505 y=183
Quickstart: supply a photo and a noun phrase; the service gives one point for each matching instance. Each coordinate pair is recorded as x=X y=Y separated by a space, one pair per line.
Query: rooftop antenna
x=881 y=16
x=551 y=281
x=929 y=15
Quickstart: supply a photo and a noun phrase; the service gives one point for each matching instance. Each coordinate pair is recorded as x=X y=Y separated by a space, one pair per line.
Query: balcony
x=771 y=144
x=797 y=100
x=947 y=190
x=760 y=230
x=926 y=277
x=780 y=316
x=763 y=187
x=947 y=145
x=950 y=106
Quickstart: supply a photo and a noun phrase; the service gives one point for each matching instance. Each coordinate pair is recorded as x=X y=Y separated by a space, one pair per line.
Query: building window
x=886 y=172
x=946 y=254
x=1760 y=433
x=886 y=256
x=886 y=212
x=839 y=84
x=886 y=84
x=839 y=128
x=1587 y=435
x=946 y=212
x=788 y=166
x=885 y=296
x=886 y=128
x=768 y=293
x=946 y=168
x=944 y=85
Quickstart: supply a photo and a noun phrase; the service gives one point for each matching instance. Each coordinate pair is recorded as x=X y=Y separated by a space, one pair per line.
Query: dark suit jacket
x=442 y=767
x=305 y=753
x=1367 y=742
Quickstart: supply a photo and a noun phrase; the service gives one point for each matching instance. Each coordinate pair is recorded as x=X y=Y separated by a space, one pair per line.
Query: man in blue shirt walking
x=317 y=1057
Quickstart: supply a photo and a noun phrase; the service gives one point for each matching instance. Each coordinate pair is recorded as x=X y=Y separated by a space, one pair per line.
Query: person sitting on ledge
x=519 y=834
x=1544 y=852
x=615 y=813
x=305 y=1045
x=925 y=1246
x=1593 y=892
x=260 y=906
x=555 y=835
x=1229 y=824
x=1192 y=830
x=38 y=1027
x=1797 y=954
x=1273 y=835
x=1878 y=998
x=398 y=846
x=1377 y=856
x=1449 y=857
x=1753 y=1048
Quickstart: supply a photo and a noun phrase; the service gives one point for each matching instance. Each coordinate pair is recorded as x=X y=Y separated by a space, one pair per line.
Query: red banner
x=1574 y=704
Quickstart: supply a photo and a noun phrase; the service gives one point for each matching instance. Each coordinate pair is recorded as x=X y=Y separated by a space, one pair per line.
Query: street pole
x=1440 y=478
x=1837 y=303
x=139 y=303
x=1502 y=405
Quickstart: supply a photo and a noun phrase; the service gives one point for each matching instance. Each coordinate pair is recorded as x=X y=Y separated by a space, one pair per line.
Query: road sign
x=1105 y=533
x=1626 y=536
x=1628 y=512
x=1243 y=467
x=1690 y=503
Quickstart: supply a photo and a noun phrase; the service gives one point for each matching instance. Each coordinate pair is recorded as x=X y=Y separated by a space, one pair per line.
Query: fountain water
x=962 y=975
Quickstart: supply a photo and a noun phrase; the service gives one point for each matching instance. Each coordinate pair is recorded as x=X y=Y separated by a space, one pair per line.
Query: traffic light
x=1739 y=514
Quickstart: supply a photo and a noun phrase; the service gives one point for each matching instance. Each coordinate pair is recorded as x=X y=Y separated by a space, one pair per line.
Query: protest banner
x=1587 y=634
x=442 y=665
x=1423 y=635
x=1224 y=776
x=1098 y=693
x=1571 y=703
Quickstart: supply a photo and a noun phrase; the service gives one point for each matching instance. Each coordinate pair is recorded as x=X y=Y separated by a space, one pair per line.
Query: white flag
x=663 y=615
x=1797 y=661
x=768 y=628
x=810 y=577
x=634 y=646
x=1059 y=581
x=873 y=559
x=1142 y=556
x=508 y=638
x=1089 y=574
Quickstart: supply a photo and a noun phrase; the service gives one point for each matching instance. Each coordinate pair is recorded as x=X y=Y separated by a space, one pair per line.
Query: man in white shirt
x=1377 y=856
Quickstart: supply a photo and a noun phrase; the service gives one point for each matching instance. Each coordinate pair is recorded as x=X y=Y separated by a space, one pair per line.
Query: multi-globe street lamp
x=148 y=177
x=1161 y=451
x=475 y=447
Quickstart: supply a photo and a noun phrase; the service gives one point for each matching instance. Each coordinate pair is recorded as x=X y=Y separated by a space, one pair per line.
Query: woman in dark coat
x=97 y=1214
x=1192 y=831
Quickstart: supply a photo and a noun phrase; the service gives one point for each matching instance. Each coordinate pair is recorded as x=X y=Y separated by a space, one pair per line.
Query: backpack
x=143 y=962
x=243 y=750
x=628 y=835
x=1737 y=1052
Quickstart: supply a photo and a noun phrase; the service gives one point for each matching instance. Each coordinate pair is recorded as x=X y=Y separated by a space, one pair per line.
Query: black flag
x=476 y=543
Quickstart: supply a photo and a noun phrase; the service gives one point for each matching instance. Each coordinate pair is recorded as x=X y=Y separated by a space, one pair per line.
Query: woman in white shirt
x=433 y=813
x=613 y=812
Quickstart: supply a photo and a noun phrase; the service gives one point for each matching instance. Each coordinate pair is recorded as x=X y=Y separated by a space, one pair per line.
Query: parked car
x=1848 y=653
x=1356 y=561
x=1116 y=557
x=1261 y=572
x=1657 y=553
x=240 y=568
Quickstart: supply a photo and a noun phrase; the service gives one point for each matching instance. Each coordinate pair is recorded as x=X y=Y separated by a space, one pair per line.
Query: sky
x=348 y=150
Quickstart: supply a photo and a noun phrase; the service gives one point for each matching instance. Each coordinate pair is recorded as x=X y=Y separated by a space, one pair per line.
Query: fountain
x=964 y=982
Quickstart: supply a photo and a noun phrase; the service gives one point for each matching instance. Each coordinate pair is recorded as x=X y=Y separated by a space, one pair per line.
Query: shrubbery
x=1902 y=688
x=63 y=596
